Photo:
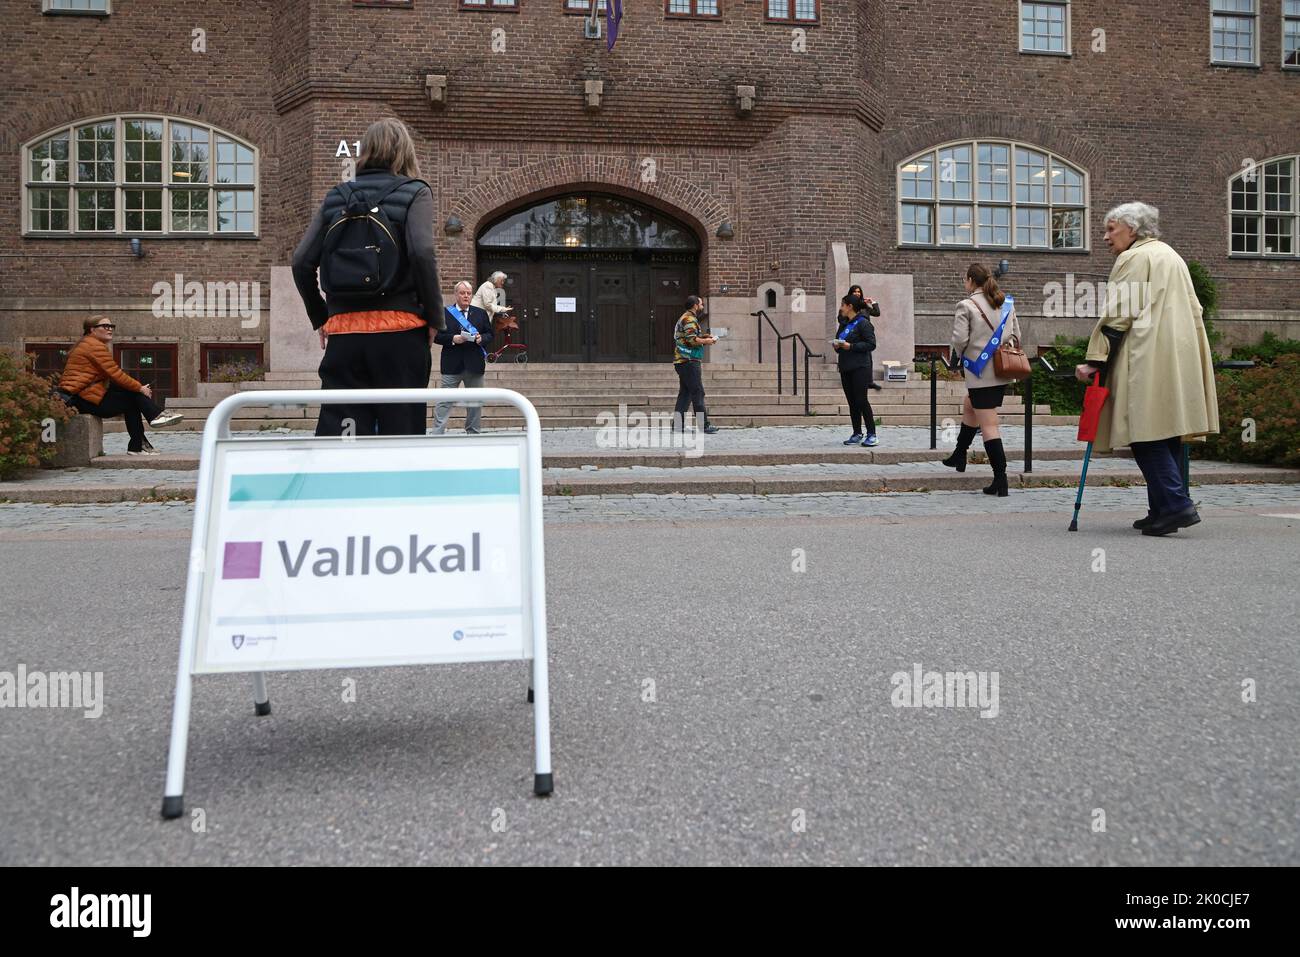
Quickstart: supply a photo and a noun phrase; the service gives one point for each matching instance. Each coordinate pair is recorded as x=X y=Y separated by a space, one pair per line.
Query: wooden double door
x=595 y=307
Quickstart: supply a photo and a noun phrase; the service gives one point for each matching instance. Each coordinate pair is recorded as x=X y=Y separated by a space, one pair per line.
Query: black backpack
x=363 y=253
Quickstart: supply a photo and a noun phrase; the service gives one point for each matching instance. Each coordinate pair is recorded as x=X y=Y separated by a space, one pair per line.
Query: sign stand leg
x=174 y=791
x=261 y=702
x=540 y=693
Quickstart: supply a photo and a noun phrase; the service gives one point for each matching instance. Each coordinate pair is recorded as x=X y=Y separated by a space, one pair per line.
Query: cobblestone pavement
x=22 y=520
x=765 y=439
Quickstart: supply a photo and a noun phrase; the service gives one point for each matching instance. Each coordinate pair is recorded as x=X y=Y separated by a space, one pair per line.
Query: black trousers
x=135 y=408
x=690 y=390
x=1161 y=463
x=375 y=360
x=855 y=383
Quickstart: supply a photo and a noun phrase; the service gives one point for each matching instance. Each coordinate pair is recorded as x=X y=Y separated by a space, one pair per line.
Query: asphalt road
x=1118 y=690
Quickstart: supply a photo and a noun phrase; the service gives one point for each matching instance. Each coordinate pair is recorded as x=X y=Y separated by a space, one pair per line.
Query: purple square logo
x=242 y=560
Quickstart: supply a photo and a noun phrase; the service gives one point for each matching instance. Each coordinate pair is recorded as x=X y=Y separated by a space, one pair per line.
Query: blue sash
x=976 y=366
x=467 y=327
x=844 y=333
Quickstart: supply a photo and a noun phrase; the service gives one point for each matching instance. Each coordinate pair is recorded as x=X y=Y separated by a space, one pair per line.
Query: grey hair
x=466 y=283
x=497 y=275
x=1141 y=218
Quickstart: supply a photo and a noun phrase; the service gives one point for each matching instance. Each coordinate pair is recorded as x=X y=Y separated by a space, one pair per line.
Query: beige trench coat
x=1161 y=379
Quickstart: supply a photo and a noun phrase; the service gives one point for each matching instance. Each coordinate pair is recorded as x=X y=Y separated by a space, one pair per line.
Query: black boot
x=964 y=438
x=997 y=459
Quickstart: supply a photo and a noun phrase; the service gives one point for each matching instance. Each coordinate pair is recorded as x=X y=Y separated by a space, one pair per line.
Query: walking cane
x=1093 y=400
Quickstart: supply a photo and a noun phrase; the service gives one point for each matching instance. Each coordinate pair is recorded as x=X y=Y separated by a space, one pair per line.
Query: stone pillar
x=291 y=343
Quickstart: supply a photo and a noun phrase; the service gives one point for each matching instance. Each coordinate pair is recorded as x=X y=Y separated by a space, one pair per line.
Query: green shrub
x=1207 y=292
x=1268 y=349
x=235 y=372
x=1267 y=396
x=1065 y=396
x=26 y=408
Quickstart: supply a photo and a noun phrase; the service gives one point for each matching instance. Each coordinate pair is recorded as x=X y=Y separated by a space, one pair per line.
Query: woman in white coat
x=1161 y=377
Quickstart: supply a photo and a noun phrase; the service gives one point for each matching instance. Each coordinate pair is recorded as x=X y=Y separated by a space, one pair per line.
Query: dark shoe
x=876 y=386
x=999 y=487
x=1145 y=522
x=1172 y=523
x=853 y=439
x=710 y=428
x=870 y=442
x=957 y=460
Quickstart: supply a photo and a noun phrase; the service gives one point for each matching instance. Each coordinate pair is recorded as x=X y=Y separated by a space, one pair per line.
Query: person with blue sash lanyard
x=464 y=337
x=986 y=318
x=854 y=342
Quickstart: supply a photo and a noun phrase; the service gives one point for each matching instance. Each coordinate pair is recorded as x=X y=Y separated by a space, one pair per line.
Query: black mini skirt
x=989 y=397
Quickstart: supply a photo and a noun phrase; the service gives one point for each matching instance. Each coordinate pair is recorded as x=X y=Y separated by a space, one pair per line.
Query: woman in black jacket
x=855 y=341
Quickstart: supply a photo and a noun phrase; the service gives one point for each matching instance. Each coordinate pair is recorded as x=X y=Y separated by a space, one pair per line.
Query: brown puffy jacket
x=89 y=369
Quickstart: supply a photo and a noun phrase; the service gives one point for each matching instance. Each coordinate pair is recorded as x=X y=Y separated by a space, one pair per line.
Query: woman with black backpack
x=372 y=242
x=854 y=342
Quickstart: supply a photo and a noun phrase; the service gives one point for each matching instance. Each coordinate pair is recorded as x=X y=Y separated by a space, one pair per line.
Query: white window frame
x=1261 y=214
x=936 y=202
x=1254 y=34
x=1286 y=19
x=1069 y=28
x=54 y=11
x=119 y=185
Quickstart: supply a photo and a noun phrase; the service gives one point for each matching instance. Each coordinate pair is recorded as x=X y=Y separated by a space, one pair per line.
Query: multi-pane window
x=48 y=358
x=140 y=174
x=1233 y=33
x=692 y=8
x=793 y=11
x=77 y=6
x=1264 y=209
x=1045 y=26
x=1291 y=33
x=583 y=6
x=489 y=4
x=992 y=195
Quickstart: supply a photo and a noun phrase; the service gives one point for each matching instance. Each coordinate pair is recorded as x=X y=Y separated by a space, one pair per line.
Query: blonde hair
x=388 y=145
x=88 y=324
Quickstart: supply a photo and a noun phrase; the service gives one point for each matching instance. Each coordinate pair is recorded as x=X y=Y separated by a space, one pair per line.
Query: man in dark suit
x=465 y=334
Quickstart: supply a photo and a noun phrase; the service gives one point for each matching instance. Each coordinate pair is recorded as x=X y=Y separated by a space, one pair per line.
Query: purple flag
x=613 y=16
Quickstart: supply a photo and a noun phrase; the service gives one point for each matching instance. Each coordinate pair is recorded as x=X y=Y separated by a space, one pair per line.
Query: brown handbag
x=1010 y=361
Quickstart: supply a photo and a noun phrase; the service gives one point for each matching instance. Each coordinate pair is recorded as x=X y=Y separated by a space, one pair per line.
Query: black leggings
x=375 y=360
x=856 y=382
x=690 y=390
x=135 y=408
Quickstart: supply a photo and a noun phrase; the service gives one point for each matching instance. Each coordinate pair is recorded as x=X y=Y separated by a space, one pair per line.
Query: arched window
x=1264 y=209
x=139 y=175
x=588 y=221
x=992 y=194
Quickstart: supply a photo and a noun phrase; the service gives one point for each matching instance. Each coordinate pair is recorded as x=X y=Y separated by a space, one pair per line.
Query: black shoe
x=999 y=487
x=1172 y=523
x=956 y=461
x=710 y=428
x=1145 y=522
x=878 y=388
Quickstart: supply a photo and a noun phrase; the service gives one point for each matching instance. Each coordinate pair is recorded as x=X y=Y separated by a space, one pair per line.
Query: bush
x=1207 y=292
x=235 y=372
x=26 y=408
x=1065 y=396
x=1268 y=397
x=1267 y=349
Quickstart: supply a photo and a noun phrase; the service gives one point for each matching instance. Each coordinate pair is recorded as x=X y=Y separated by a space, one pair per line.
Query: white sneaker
x=166 y=419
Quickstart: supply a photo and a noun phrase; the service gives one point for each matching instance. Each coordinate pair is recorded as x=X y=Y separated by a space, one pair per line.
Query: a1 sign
x=365 y=553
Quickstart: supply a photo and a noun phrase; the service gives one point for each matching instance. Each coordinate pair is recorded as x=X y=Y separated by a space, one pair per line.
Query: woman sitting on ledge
x=99 y=387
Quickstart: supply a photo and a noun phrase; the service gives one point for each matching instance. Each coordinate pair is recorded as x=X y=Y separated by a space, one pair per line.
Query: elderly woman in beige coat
x=978 y=317
x=1161 y=375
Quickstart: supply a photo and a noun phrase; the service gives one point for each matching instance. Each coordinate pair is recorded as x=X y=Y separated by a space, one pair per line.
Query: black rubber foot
x=1074 y=526
x=173 y=806
x=530 y=695
x=543 y=785
x=261 y=709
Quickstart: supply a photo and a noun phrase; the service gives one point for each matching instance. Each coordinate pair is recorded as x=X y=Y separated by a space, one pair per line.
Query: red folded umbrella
x=1094 y=397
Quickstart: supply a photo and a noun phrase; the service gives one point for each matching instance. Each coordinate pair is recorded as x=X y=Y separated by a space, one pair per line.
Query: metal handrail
x=794 y=358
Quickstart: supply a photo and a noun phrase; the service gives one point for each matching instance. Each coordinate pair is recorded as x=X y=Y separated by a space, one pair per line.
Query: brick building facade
x=1125 y=99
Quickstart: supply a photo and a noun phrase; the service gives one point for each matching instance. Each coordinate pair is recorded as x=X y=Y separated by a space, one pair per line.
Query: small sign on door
x=569 y=304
